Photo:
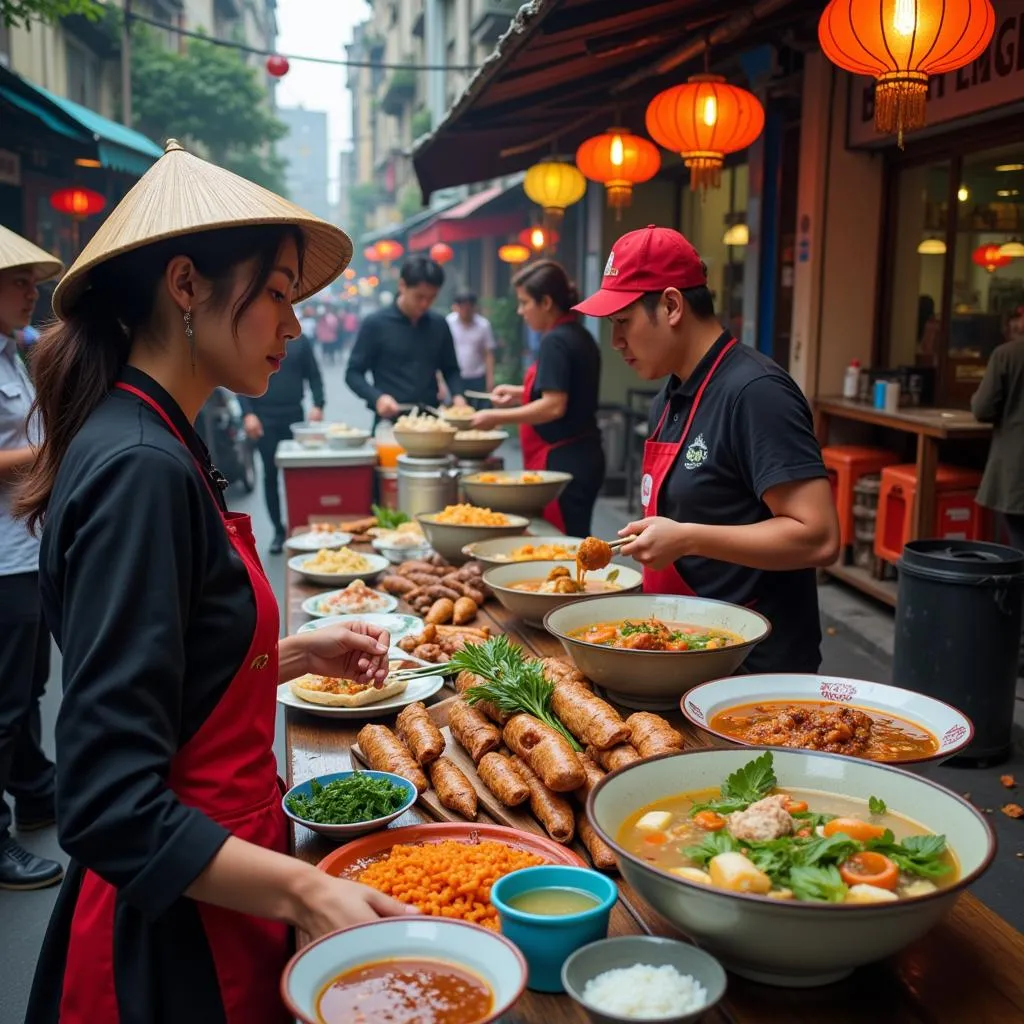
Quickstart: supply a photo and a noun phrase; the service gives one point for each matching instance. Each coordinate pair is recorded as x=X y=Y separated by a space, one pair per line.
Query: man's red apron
x=659 y=458
x=536 y=450
x=227 y=771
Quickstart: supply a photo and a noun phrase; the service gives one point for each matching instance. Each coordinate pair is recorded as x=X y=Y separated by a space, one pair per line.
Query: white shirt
x=19 y=549
x=472 y=343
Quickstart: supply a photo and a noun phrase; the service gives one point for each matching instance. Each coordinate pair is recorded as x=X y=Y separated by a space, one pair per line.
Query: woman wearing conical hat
x=180 y=896
x=26 y=774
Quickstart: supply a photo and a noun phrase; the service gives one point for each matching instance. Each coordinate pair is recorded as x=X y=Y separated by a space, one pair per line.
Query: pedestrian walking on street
x=26 y=774
x=474 y=346
x=269 y=417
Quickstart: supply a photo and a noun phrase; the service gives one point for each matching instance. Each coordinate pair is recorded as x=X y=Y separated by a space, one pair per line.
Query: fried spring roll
x=652 y=735
x=558 y=670
x=453 y=789
x=592 y=721
x=500 y=777
x=594 y=774
x=472 y=730
x=417 y=731
x=616 y=758
x=385 y=752
x=466 y=680
x=546 y=751
x=600 y=852
x=554 y=812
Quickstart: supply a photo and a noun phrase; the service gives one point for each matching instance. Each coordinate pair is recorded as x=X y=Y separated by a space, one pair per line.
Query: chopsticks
x=417 y=673
x=488 y=395
x=616 y=544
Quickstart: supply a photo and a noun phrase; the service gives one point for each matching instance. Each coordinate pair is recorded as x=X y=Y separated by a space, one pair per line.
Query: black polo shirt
x=403 y=358
x=753 y=431
x=569 y=361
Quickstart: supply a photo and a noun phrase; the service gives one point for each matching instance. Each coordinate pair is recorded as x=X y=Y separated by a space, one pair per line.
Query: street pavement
x=863 y=652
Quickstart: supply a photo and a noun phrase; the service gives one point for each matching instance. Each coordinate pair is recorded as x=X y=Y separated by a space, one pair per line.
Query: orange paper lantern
x=900 y=43
x=371 y=254
x=989 y=257
x=539 y=238
x=618 y=159
x=702 y=121
x=388 y=250
x=349 y=274
x=514 y=253
x=441 y=253
x=77 y=202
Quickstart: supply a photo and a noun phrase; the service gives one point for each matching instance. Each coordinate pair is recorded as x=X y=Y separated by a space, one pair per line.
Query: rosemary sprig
x=512 y=683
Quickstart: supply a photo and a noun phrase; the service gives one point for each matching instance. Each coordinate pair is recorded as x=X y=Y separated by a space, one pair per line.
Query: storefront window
x=715 y=222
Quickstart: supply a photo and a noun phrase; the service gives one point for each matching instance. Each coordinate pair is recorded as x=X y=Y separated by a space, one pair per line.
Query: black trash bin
x=958 y=634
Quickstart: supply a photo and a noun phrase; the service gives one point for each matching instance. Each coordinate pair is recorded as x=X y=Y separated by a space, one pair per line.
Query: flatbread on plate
x=343 y=693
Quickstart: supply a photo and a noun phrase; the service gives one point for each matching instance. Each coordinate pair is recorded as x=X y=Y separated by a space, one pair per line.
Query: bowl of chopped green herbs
x=344 y=805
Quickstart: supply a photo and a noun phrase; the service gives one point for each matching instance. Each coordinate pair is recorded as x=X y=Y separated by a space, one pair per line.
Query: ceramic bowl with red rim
x=486 y=957
x=780 y=709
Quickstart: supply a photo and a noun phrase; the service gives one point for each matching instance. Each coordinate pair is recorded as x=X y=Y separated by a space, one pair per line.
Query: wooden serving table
x=968 y=970
x=930 y=426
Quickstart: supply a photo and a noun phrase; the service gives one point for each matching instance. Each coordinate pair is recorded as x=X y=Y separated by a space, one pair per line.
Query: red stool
x=846 y=464
x=957 y=515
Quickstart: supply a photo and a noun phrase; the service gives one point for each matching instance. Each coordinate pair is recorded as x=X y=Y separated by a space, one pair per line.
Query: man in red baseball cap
x=737 y=503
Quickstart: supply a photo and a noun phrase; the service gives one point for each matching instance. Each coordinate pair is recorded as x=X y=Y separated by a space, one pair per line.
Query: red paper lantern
x=618 y=159
x=277 y=66
x=989 y=257
x=77 y=202
x=514 y=253
x=702 y=121
x=441 y=253
x=372 y=254
x=539 y=238
x=900 y=44
x=388 y=250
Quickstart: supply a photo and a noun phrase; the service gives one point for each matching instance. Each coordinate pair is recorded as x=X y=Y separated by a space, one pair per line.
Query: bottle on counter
x=851 y=380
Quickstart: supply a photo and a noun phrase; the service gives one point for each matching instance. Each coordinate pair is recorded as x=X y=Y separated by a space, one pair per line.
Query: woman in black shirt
x=556 y=405
x=178 y=903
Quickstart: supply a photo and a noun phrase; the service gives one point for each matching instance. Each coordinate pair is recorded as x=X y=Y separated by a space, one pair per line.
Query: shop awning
x=400 y=229
x=481 y=215
x=567 y=69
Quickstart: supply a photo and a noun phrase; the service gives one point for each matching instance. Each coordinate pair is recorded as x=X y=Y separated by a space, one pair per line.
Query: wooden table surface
x=968 y=970
x=944 y=424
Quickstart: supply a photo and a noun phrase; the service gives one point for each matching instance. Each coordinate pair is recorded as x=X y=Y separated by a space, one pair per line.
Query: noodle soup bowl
x=483 y=953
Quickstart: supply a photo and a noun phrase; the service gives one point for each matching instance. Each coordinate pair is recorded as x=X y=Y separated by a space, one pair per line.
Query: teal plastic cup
x=547 y=941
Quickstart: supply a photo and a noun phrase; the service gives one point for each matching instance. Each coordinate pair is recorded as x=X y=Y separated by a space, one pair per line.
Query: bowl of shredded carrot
x=445 y=869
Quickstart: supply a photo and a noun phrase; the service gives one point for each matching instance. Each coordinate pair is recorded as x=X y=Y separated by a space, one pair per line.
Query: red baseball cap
x=649 y=260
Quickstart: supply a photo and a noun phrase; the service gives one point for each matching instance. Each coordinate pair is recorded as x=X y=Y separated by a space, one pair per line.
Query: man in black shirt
x=405 y=346
x=736 y=498
x=268 y=419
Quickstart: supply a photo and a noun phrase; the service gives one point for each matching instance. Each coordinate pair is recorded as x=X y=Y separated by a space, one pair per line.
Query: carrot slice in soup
x=862 y=831
x=870 y=868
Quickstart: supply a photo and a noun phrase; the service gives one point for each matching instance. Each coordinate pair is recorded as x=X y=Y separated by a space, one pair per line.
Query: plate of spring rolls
x=343 y=698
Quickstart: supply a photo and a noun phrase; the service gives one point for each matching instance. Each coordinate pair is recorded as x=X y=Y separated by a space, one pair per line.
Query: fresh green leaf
x=355 y=798
x=712 y=845
x=775 y=857
x=388 y=518
x=820 y=884
x=629 y=628
x=915 y=855
x=812 y=819
x=754 y=781
x=876 y=805
x=828 y=850
x=612 y=576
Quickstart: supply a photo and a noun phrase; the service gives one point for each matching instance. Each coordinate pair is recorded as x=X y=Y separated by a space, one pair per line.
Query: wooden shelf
x=880 y=590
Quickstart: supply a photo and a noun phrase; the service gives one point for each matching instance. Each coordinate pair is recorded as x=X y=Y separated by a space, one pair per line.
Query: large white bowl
x=496 y=552
x=527 y=499
x=787 y=942
x=310 y=435
x=655 y=680
x=531 y=606
x=487 y=954
x=378 y=563
x=477 y=447
x=448 y=539
x=950 y=727
x=425 y=443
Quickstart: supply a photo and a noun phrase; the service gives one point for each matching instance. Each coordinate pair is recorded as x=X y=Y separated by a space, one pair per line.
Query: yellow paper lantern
x=513 y=253
x=553 y=186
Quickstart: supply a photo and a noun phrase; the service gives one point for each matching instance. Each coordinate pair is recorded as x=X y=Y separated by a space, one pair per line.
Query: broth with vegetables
x=754 y=837
x=822 y=725
x=654 y=635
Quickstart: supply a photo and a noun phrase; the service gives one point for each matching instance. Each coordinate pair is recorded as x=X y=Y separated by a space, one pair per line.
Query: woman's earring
x=190 y=335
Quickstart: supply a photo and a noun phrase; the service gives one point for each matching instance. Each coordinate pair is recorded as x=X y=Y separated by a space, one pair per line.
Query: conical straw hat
x=16 y=251
x=181 y=195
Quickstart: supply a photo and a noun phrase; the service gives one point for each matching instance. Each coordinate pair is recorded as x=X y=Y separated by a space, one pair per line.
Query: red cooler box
x=326 y=481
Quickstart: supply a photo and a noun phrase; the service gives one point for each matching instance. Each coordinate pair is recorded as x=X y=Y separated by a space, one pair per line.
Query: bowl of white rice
x=645 y=979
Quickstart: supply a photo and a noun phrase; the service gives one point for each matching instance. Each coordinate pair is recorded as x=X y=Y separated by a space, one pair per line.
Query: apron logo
x=696 y=453
x=610 y=270
x=646 y=487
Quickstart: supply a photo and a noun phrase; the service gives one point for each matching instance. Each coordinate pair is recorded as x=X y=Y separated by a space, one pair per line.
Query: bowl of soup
x=525 y=492
x=389 y=969
x=647 y=650
x=832 y=714
x=793 y=867
x=529 y=590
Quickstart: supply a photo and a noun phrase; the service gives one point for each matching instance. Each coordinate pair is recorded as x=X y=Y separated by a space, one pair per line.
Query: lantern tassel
x=901 y=103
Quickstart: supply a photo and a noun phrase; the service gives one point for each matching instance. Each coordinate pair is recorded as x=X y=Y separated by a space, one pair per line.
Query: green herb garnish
x=356 y=798
x=821 y=884
x=511 y=683
x=754 y=781
x=876 y=805
x=712 y=845
x=388 y=518
x=915 y=855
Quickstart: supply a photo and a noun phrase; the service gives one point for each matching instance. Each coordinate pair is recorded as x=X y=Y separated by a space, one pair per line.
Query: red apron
x=659 y=458
x=536 y=450
x=226 y=770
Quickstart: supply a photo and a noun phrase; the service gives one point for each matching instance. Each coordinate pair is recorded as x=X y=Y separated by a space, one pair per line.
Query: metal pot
x=426 y=485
